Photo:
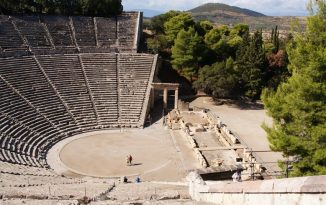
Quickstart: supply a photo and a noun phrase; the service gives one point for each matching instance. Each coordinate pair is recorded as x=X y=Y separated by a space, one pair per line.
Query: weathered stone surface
x=168 y=195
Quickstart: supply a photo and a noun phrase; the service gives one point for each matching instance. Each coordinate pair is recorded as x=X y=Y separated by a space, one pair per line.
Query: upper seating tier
x=41 y=35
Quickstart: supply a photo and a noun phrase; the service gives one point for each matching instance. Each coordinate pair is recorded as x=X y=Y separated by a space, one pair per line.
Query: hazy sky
x=268 y=7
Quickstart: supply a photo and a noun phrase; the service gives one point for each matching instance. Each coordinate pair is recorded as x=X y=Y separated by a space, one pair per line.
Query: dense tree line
x=230 y=62
x=62 y=7
x=225 y=62
x=298 y=105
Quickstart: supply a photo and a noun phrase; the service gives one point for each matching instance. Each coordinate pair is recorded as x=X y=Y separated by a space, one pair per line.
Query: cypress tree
x=251 y=64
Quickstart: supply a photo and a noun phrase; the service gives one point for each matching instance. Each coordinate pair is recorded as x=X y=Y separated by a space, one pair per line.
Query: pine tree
x=298 y=106
x=186 y=53
x=219 y=80
x=175 y=24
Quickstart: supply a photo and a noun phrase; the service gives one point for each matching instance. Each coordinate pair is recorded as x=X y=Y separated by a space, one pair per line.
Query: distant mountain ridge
x=223 y=14
x=219 y=8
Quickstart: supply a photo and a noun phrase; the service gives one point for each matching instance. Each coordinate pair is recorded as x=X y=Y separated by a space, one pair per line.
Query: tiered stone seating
x=84 y=31
x=134 y=74
x=10 y=148
x=69 y=81
x=59 y=35
x=106 y=31
x=48 y=98
x=24 y=75
x=127 y=30
x=9 y=37
x=43 y=189
x=29 y=131
x=101 y=72
x=17 y=169
x=34 y=31
x=59 y=29
x=25 y=182
x=49 y=93
x=15 y=143
x=149 y=192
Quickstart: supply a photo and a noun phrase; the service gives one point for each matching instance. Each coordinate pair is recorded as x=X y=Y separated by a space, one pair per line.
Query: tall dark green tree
x=298 y=106
x=175 y=24
x=276 y=54
x=275 y=39
x=236 y=37
x=273 y=45
x=157 y=22
x=225 y=41
x=217 y=40
x=158 y=42
x=186 y=53
x=251 y=64
x=203 y=27
x=104 y=7
x=220 y=79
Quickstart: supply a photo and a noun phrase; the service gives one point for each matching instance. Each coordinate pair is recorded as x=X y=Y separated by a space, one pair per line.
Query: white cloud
x=269 y=7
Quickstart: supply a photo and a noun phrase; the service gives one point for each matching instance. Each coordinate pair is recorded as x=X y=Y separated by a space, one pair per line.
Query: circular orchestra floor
x=104 y=155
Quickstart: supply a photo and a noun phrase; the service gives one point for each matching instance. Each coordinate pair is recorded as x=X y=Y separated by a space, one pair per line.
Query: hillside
x=222 y=14
x=224 y=9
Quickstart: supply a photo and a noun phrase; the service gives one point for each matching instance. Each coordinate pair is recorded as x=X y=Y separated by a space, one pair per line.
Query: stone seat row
x=49 y=98
x=49 y=32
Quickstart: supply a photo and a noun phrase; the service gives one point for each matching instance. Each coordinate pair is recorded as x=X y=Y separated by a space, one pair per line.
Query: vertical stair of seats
x=101 y=70
x=15 y=149
x=134 y=73
x=35 y=122
x=24 y=75
x=55 y=90
x=60 y=34
x=106 y=31
x=34 y=32
x=84 y=31
x=9 y=37
x=88 y=87
x=127 y=30
x=32 y=132
x=59 y=29
x=66 y=74
x=95 y=32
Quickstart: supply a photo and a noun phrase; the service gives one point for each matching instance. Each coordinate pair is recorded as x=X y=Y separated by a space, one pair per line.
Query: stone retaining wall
x=291 y=191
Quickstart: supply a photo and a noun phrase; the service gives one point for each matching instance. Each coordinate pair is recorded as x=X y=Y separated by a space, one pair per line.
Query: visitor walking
x=129 y=160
